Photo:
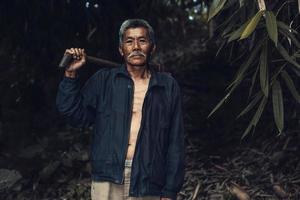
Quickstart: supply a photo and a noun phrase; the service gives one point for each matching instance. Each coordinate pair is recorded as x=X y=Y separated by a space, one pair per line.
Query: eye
x=128 y=41
x=143 y=40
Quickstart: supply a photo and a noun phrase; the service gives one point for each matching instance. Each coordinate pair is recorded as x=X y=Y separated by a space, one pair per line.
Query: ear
x=121 y=51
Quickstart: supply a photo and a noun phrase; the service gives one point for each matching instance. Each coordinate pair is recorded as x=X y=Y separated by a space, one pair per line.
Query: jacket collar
x=155 y=79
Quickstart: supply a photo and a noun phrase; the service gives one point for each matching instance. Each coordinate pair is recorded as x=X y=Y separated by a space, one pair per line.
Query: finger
x=72 y=50
x=73 y=53
x=83 y=53
x=77 y=52
x=80 y=53
x=68 y=51
x=83 y=59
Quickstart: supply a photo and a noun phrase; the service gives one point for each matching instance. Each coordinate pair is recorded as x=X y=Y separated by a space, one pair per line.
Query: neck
x=138 y=72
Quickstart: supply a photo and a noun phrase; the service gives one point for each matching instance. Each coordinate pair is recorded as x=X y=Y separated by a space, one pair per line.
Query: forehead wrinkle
x=136 y=33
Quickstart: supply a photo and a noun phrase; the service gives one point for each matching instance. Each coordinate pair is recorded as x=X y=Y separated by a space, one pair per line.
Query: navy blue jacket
x=106 y=103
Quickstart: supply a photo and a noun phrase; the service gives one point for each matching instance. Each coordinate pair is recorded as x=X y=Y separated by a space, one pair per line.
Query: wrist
x=70 y=74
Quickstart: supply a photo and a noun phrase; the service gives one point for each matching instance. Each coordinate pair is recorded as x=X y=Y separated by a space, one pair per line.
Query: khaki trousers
x=104 y=190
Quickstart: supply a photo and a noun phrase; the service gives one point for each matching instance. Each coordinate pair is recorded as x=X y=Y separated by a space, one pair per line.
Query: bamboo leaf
x=297 y=55
x=237 y=33
x=239 y=76
x=219 y=104
x=229 y=22
x=272 y=26
x=248 y=129
x=253 y=81
x=290 y=36
x=259 y=111
x=220 y=48
x=256 y=116
x=297 y=72
x=290 y=84
x=251 y=104
x=222 y=101
x=252 y=25
x=286 y=56
x=285 y=27
x=278 y=105
x=227 y=30
x=215 y=8
x=263 y=72
x=277 y=72
x=244 y=67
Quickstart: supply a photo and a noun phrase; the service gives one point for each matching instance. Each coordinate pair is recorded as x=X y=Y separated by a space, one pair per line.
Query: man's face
x=136 y=46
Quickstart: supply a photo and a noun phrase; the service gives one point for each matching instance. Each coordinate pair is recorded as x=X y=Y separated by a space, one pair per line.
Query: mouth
x=136 y=55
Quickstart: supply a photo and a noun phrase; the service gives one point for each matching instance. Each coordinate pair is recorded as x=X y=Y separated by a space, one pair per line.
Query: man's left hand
x=164 y=198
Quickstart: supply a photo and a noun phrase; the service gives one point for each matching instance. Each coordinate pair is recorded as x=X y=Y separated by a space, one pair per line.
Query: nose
x=136 y=45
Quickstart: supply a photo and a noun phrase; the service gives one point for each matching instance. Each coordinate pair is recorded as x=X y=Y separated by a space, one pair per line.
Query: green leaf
x=215 y=8
x=222 y=101
x=253 y=81
x=219 y=105
x=239 y=76
x=278 y=105
x=290 y=84
x=220 y=48
x=244 y=67
x=259 y=111
x=272 y=26
x=286 y=55
x=237 y=33
x=252 y=25
x=248 y=129
x=297 y=72
x=290 y=36
x=256 y=116
x=229 y=22
x=251 y=104
x=227 y=30
x=263 y=71
x=285 y=27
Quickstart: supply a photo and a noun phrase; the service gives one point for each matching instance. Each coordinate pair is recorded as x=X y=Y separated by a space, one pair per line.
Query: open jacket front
x=106 y=103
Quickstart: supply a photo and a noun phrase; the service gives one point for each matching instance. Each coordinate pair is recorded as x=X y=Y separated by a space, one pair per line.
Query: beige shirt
x=140 y=89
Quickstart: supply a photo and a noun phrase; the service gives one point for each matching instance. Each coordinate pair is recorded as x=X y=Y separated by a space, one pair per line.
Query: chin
x=138 y=64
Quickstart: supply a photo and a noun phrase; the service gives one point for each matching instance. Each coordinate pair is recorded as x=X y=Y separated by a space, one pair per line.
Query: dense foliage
x=263 y=37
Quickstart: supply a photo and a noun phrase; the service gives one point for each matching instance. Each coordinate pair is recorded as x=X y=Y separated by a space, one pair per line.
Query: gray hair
x=135 y=23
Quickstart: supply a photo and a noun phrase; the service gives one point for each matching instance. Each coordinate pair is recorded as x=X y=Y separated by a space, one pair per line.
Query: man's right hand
x=79 y=59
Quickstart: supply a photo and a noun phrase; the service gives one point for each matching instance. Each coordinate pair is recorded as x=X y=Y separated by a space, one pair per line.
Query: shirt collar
x=155 y=79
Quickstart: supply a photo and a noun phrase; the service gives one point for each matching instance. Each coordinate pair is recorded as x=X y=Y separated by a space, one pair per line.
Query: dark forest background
x=42 y=157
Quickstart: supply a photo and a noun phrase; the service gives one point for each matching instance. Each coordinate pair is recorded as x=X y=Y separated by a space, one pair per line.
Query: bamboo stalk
x=261 y=4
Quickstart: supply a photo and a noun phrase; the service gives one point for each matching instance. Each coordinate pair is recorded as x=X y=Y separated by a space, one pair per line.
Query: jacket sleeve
x=176 y=151
x=78 y=106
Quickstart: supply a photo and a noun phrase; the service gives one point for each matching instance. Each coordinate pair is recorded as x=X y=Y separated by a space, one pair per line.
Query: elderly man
x=138 y=143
